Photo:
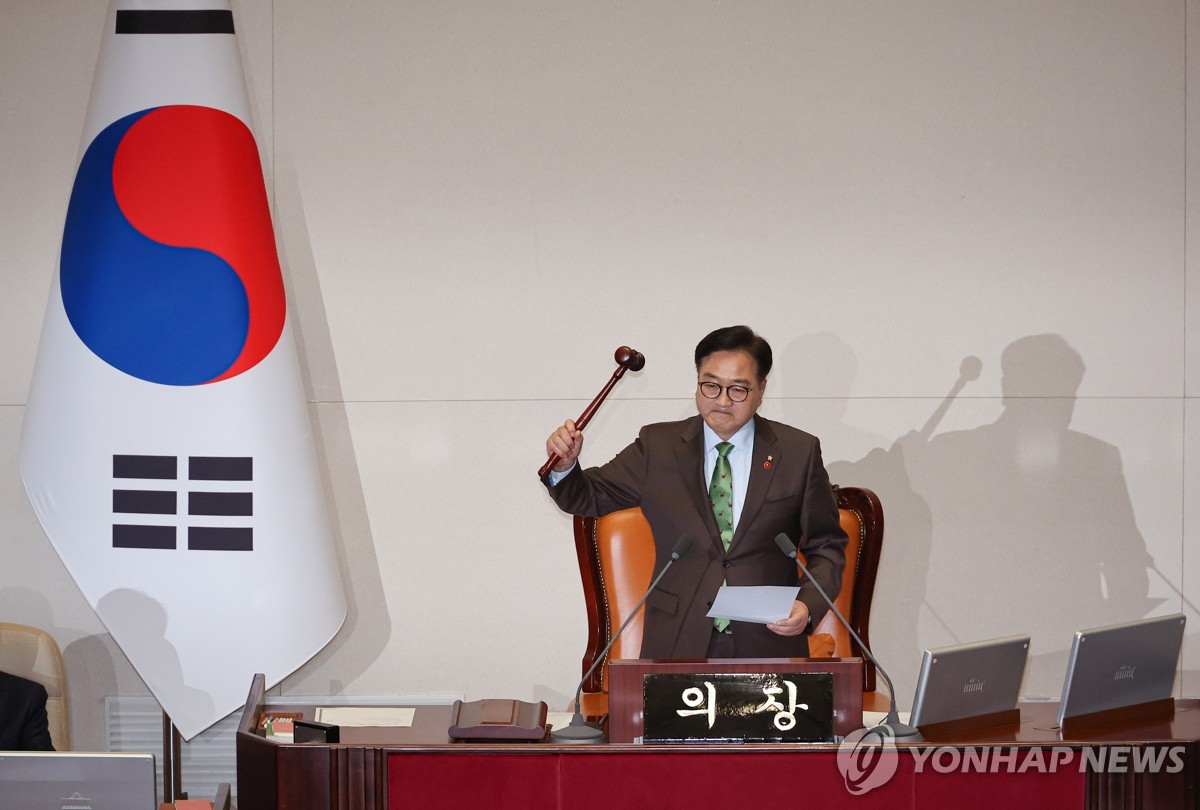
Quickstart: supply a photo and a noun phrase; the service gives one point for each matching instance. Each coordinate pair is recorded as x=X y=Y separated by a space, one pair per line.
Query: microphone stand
x=581 y=731
x=892 y=720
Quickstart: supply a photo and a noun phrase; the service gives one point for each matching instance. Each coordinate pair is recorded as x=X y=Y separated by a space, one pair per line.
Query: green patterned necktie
x=720 y=493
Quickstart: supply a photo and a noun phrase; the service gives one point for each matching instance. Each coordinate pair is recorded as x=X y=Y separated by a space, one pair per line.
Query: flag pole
x=172 y=762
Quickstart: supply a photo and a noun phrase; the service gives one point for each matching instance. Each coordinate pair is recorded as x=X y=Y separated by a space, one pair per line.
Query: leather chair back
x=34 y=654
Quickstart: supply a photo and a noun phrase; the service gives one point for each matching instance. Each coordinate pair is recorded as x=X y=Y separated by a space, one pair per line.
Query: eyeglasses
x=737 y=393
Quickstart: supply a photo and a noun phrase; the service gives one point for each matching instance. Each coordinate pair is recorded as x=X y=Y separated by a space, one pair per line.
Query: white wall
x=477 y=202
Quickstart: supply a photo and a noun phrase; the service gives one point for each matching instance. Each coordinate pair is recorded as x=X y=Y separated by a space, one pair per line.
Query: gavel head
x=629 y=358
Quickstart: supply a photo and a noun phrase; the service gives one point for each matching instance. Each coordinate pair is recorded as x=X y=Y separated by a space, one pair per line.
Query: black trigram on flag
x=204 y=500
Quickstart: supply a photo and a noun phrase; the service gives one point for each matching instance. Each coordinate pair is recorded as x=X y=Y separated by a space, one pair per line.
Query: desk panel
x=418 y=767
x=665 y=778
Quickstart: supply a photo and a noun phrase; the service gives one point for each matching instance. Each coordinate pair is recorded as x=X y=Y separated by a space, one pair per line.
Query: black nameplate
x=738 y=707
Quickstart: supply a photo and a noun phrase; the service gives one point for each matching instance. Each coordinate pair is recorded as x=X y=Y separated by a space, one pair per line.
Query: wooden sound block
x=498 y=720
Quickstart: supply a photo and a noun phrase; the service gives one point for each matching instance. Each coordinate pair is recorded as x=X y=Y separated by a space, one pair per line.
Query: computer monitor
x=1121 y=665
x=969 y=680
x=100 y=781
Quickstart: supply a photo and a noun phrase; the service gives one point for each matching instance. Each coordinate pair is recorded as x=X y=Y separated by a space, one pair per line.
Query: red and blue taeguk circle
x=169 y=271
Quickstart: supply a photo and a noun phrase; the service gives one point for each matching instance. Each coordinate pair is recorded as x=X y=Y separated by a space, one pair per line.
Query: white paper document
x=762 y=604
x=366 y=716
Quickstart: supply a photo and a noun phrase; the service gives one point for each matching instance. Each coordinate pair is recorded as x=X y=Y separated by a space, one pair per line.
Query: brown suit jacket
x=788 y=491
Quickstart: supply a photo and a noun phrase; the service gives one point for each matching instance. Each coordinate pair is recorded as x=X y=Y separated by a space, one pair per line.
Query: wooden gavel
x=627 y=360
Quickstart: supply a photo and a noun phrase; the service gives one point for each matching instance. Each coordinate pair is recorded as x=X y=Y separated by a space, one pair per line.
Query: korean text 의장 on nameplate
x=366 y=716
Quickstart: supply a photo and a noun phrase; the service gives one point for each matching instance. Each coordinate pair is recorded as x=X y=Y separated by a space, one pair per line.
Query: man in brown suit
x=779 y=485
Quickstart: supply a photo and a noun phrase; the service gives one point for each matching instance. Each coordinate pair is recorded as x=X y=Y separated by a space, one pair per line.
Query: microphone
x=580 y=731
x=893 y=718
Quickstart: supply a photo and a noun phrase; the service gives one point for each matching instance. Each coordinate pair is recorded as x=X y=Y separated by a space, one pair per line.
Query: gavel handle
x=585 y=417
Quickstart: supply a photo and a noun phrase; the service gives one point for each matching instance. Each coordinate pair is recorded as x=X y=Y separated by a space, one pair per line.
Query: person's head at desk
x=732 y=365
x=24 y=725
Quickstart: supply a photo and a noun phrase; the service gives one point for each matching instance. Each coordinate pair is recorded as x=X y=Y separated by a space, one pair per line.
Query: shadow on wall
x=141 y=624
x=367 y=629
x=91 y=663
x=1019 y=526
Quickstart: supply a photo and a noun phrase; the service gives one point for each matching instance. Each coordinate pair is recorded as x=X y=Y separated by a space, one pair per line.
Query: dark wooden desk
x=419 y=767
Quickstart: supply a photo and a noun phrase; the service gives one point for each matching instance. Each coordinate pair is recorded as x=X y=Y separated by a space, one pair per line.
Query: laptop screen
x=1121 y=665
x=968 y=680
x=99 y=781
